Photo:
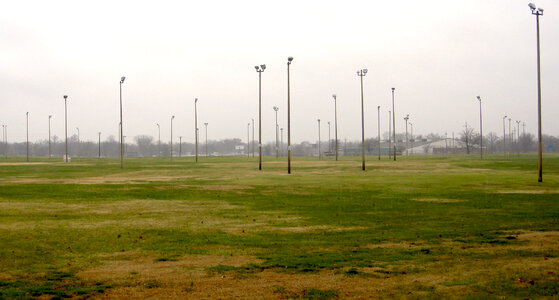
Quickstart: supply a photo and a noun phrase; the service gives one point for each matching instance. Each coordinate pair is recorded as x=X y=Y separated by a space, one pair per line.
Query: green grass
x=58 y=218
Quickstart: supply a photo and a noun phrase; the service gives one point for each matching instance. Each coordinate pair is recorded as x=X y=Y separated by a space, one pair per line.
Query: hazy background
x=438 y=54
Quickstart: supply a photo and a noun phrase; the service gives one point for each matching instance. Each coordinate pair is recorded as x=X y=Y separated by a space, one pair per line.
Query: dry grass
x=135 y=276
x=439 y=200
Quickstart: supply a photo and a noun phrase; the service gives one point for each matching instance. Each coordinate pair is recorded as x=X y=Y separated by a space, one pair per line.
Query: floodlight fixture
x=122 y=79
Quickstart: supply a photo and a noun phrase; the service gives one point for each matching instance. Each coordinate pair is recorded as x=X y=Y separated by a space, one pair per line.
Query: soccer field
x=433 y=227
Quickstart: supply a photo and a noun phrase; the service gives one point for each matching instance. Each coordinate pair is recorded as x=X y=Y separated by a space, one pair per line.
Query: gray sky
x=438 y=54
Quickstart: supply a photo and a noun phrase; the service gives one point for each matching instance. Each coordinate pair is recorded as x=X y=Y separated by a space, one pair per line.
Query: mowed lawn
x=434 y=227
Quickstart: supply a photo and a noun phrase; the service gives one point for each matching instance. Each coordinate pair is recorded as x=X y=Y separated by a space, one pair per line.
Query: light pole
x=121 y=126
x=281 y=145
x=27 y=139
x=406 y=119
x=289 y=60
x=4 y=138
x=378 y=109
x=248 y=139
x=319 y=156
x=50 y=116
x=99 y=144
x=336 y=124
x=394 y=124
x=389 y=133
x=78 y=153
x=361 y=73
x=172 y=117
x=411 y=138
x=480 y=130
x=504 y=137
x=206 y=124
x=539 y=12
x=277 y=133
x=329 y=148
x=252 y=137
x=159 y=139
x=510 y=139
x=66 y=127
x=196 y=126
x=180 y=146
x=260 y=69
x=518 y=135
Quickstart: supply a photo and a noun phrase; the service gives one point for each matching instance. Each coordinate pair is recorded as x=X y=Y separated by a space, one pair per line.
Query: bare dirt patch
x=22 y=163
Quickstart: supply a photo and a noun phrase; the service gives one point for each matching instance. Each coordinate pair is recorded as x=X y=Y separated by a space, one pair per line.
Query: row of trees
x=468 y=141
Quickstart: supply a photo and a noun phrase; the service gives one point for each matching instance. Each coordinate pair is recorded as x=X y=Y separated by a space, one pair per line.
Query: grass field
x=418 y=227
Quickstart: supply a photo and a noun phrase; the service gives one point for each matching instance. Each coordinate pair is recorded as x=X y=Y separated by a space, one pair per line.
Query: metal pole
x=260 y=119
x=281 y=145
x=394 y=124
x=411 y=138
x=78 y=153
x=289 y=59
x=329 y=148
x=389 y=134
x=277 y=133
x=504 y=137
x=319 y=156
x=27 y=139
x=510 y=139
x=336 y=124
x=50 y=116
x=196 y=126
x=66 y=127
x=540 y=159
x=378 y=108
x=480 y=131
x=172 y=117
x=158 y=139
x=248 y=139
x=206 y=124
x=121 y=128
x=99 y=144
x=362 y=73
x=407 y=149
x=252 y=137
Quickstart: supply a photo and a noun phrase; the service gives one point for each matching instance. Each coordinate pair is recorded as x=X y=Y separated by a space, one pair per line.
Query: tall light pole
x=518 y=130
x=252 y=137
x=389 y=133
x=27 y=139
x=50 y=116
x=394 y=124
x=277 y=133
x=121 y=126
x=411 y=138
x=196 y=126
x=539 y=12
x=480 y=130
x=504 y=139
x=329 y=148
x=4 y=138
x=66 y=128
x=361 y=73
x=289 y=60
x=99 y=144
x=172 y=118
x=510 y=139
x=319 y=155
x=260 y=69
x=336 y=124
x=406 y=119
x=159 y=139
x=248 y=139
x=206 y=124
x=281 y=145
x=78 y=153
x=378 y=108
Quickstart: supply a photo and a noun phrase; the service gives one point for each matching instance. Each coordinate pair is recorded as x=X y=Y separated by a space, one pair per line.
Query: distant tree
x=491 y=141
x=467 y=136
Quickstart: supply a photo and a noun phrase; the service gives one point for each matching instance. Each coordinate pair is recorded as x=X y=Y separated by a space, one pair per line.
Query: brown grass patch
x=21 y=163
x=527 y=191
x=438 y=200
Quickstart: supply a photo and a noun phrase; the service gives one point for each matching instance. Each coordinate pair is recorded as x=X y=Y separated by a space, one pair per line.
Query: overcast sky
x=439 y=55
